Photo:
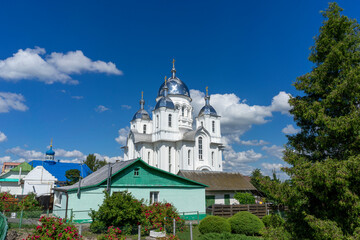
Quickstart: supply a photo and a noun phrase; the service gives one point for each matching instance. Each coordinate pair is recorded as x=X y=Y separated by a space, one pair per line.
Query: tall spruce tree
x=324 y=158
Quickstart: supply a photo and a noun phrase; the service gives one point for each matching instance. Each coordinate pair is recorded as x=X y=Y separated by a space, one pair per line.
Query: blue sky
x=74 y=70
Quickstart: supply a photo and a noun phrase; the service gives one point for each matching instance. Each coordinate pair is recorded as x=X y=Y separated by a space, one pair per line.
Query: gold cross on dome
x=206 y=90
x=165 y=80
x=173 y=61
x=142 y=94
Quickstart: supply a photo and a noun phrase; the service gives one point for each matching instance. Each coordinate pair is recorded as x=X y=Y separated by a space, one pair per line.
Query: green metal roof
x=120 y=167
x=24 y=167
x=9 y=180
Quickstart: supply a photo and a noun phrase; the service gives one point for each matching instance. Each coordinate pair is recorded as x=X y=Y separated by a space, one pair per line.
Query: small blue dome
x=165 y=102
x=50 y=152
x=208 y=110
x=141 y=114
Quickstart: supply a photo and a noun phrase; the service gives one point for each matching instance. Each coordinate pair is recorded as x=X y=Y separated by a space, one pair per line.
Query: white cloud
x=276 y=151
x=77 y=97
x=27 y=154
x=253 y=142
x=12 y=101
x=30 y=64
x=77 y=62
x=237 y=161
x=289 y=129
x=3 y=137
x=280 y=103
x=107 y=158
x=8 y=159
x=237 y=116
x=126 y=106
x=69 y=154
x=272 y=166
x=123 y=133
x=101 y=109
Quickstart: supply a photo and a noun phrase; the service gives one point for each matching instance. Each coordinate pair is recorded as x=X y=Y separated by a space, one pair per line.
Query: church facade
x=169 y=139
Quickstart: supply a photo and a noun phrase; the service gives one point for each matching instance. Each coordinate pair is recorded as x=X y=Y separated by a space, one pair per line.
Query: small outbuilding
x=11 y=181
x=135 y=176
x=39 y=181
x=222 y=186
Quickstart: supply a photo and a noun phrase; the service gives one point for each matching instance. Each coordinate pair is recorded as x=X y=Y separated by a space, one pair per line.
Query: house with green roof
x=135 y=176
x=11 y=181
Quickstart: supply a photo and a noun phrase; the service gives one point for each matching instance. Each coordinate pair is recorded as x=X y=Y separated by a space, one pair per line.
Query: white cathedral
x=168 y=140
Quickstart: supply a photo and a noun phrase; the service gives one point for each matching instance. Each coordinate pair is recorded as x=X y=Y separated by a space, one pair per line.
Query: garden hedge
x=246 y=223
x=214 y=224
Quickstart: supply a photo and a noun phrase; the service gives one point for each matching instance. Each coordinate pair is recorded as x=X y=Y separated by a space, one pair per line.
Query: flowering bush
x=160 y=215
x=120 y=209
x=55 y=228
x=5 y=204
x=112 y=233
x=29 y=203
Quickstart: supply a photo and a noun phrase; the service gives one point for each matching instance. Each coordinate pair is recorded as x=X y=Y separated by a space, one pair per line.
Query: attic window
x=136 y=172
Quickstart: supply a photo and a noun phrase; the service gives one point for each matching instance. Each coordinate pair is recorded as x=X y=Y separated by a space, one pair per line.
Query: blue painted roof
x=58 y=169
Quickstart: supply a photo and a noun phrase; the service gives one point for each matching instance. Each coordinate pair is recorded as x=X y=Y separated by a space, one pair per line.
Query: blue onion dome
x=175 y=85
x=50 y=152
x=207 y=109
x=142 y=113
x=165 y=101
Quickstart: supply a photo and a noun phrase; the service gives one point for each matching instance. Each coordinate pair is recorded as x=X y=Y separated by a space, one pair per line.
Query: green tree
x=93 y=163
x=120 y=209
x=72 y=175
x=324 y=158
x=244 y=198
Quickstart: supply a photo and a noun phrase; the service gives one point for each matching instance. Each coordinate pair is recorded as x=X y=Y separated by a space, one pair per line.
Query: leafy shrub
x=273 y=220
x=5 y=204
x=120 y=209
x=112 y=233
x=158 y=215
x=246 y=223
x=278 y=233
x=214 y=224
x=244 y=198
x=226 y=236
x=55 y=228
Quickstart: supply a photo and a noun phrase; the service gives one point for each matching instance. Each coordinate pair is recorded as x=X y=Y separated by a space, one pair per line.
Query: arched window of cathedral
x=212 y=158
x=213 y=126
x=183 y=111
x=157 y=121
x=170 y=116
x=189 y=157
x=169 y=159
x=148 y=157
x=200 y=149
x=144 y=128
x=202 y=124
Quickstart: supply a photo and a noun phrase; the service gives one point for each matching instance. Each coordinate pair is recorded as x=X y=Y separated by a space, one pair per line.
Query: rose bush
x=160 y=215
x=54 y=228
x=112 y=233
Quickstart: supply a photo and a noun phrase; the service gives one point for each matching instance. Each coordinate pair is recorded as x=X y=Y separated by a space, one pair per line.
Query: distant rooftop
x=58 y=168
x=219 y=181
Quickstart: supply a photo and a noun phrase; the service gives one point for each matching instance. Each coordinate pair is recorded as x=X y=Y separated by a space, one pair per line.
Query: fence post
x=198 y=217
x=71 y=215
x=174 y=226
x=191 y=237
x=139 y=232
x=21 y=216
x=47 y=212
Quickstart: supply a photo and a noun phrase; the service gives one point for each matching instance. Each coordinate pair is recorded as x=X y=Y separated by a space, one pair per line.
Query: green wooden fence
x=3 y=227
